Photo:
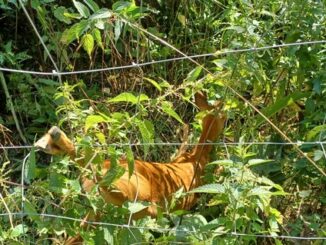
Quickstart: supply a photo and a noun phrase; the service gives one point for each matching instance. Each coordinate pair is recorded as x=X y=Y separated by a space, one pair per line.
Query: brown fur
x=152 y=182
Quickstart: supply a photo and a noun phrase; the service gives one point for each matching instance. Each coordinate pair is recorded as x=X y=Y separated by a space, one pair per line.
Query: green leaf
x=93 y=120
x=318 y=154
x=238 y=29
x=222 y=163
x=30 y=168
x=81 y=8
x=182 y=19
x=57 y=183
x=18 y=230
x=101 y=14
x=88 y=43
x=72 y=15
x=167 y=108
x=98 y=38
x=146 y=129
x=114 y=173
x=135 y=207
x=92 y=5
x=30 y=209
x=259 y=191
x=59 y=13
x=129 y=97
x=311 y=135
x=194 y=74
x=74 y=185
x=130 y=236
x=121 y=5
x=74 y=32
x=113 y=156
x=130 y=160
x=209 y=188
x=101 y=137
x=154 y=83
x=279 y=105
x=117 y=29
x=255 y=162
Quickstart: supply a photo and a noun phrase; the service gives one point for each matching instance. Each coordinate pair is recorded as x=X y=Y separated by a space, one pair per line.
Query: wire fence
x=299 y=143
x=160 y=229
x=57 y=73
x=136 y=65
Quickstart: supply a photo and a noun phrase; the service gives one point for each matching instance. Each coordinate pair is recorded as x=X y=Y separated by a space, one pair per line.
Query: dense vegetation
x=264 y=188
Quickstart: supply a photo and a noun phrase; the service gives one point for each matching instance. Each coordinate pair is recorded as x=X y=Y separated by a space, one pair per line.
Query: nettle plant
x=243 y=198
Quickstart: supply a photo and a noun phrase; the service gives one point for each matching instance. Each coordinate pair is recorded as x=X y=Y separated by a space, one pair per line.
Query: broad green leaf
x=57 y=183
x=108 y=235
x=113 y=156
x=194 y=74
x=318 y=154
x=59 y=13
x=279 y=105
x=101 y=14
x=81 y=8
x=74 y=185
x=277 y=214
x=130 y=236
x=114 y=173
x=18 y=230
x=93 y=120
x=117 y=29
x=48 y=82
x=154 y=83
x=72 y=15
x=30 y=167
x=167 y=107
x=209 y=188
x=130 y=160
x=74 y=32
x=92 y=5
x=238 y=29
x=182 y=19
x=255 y=162
x=88 y=43
x=259 y=191
x=30 y=209
x=98 y=38
x=101 y=137
x=311 y=135
x=305 y=193
x=146 y=129
x=222 y=163
x=128 y=97
x=136 y=207
x=121 y=5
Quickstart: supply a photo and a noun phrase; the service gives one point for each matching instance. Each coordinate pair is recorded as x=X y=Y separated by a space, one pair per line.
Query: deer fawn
x=152 y=182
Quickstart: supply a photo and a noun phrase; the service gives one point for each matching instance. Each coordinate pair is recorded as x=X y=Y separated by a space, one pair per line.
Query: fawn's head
x=55 y=142
x=213 y=121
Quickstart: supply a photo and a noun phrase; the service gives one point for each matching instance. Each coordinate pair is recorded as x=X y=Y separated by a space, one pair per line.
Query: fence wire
x=298 y=143
x=160 y=229
x=135 y=65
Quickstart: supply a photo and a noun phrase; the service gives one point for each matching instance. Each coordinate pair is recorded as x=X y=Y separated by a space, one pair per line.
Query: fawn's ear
x=55 y=142
x=202 y=103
